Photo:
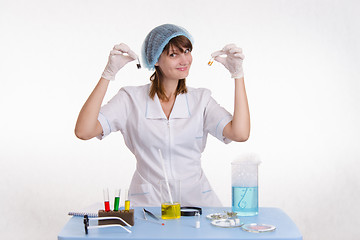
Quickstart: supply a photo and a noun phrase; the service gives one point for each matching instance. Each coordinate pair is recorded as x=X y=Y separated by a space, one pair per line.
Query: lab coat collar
x=180 y=108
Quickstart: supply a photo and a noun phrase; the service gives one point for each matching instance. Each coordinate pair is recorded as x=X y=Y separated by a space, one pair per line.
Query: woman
x=166 y=115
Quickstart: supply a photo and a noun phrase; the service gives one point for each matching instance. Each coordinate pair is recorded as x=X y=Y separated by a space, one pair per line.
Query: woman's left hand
x=233 y=60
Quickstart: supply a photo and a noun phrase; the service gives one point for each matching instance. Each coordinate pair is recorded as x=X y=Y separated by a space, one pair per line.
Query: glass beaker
x=170 y=202
x=244 y=181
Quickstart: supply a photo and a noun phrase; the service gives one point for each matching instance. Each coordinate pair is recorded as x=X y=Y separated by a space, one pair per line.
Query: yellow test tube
x=127 y=201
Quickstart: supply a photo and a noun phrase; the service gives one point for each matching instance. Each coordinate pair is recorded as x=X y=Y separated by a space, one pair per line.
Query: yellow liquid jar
x=170 y=211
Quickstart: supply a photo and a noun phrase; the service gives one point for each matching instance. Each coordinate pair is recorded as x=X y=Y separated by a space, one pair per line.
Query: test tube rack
x=127 y=216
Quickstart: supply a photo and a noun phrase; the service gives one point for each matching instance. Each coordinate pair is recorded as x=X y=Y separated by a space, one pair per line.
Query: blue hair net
x=157 y=39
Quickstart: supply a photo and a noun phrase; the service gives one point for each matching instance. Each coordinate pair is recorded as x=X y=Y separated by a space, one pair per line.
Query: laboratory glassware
x=244 y=181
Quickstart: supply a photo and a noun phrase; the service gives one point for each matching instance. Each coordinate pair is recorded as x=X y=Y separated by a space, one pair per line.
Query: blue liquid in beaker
x=245 y=201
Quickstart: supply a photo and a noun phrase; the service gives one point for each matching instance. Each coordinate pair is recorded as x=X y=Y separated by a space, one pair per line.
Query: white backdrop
x=302 y=79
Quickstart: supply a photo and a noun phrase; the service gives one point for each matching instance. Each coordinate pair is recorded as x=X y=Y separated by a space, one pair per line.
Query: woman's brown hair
x=156 y=78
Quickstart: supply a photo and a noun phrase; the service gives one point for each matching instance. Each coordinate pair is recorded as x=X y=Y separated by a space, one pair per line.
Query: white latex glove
x=119 y=56
x=233 y=60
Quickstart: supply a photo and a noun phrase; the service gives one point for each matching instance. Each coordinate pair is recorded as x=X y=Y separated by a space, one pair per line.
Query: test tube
x=211 y=61
x=106 y=199
x=117 y=199
x=138 y=64
x=127 y=201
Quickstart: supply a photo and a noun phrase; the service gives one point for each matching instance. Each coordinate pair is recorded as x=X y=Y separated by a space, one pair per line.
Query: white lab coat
x=181 y=138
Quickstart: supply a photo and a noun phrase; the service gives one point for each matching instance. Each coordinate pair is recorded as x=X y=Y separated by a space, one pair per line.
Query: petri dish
x=258 y=227
x=227 y=223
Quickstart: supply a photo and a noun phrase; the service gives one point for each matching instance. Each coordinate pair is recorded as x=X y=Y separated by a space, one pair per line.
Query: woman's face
x=176 y=64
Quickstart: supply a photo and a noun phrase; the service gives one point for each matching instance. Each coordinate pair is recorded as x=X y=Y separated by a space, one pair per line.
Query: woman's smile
x=182 y=68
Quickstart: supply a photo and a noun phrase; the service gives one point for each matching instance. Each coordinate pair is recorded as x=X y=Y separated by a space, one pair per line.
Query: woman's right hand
x=119 y=56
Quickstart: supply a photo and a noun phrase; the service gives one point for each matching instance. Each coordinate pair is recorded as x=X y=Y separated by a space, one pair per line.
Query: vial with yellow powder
x=211 y=61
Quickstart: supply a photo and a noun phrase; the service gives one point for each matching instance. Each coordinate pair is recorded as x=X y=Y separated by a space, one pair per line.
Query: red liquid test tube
x=106 y=199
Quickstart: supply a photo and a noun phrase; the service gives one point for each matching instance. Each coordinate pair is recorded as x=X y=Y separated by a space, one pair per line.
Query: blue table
x=184 y=228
